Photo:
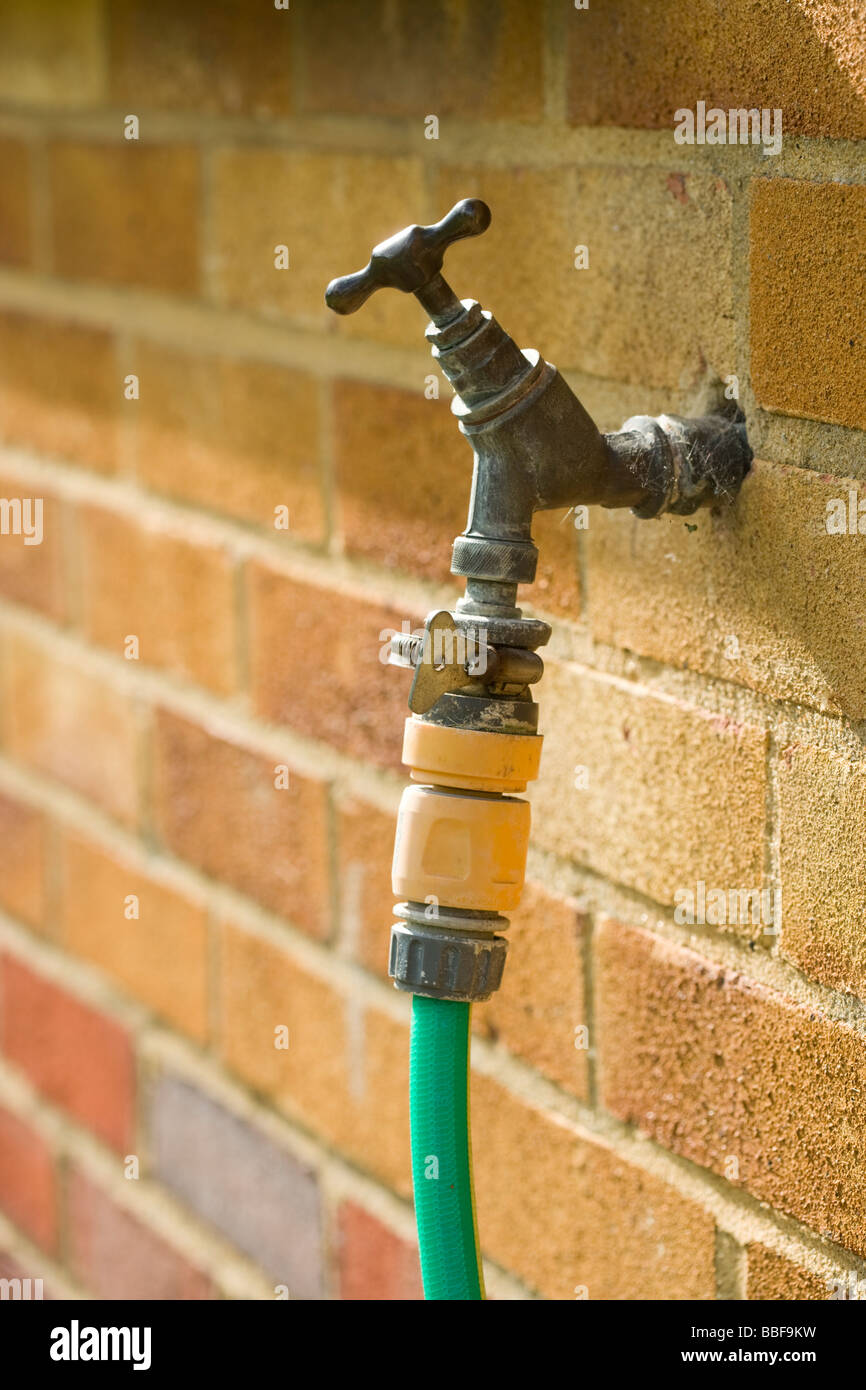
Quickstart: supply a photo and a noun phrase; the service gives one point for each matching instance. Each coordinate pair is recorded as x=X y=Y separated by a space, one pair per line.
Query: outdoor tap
x=535 y=445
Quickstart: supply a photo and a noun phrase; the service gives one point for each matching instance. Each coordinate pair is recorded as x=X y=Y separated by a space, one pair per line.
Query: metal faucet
x=535 y=448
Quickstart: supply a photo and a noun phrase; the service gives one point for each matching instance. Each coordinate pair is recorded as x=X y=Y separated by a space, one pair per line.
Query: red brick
x=216 y=805
x=77 y=1057
x=23 y=852
x=71 y=725
x=345 y=1071
x=717 y=1067
x=160 y=957
x=116 y=1256
x=404 y=491
x=316 y=664
x=60 y=389
x=542 y=1000
x=375 y=1264
x=28 y=1188
x=239 y=438
x=573 y=1218
x=169 y=586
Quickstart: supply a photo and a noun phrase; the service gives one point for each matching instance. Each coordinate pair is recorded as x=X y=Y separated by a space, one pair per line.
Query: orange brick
x=117 y=1256
x=770 y=1275
x=404 y=489
x=735 y=1077
x=234 y=437
x=223 y=58
x=28 y=1185
x=822 y=815
x=159 y=956
x=16 y=226
x=376 y=1265
x=476 y=58
x=60 y=389
x=78 y=1058
x=647 y=790
x=167 y=585
x=572 y=1218
x=635 y=64
x=542 y=1003
x=31 y=570
x=23 y=852
x=345 y=1071
x=365 y=838
x=267 y=198
x=126 y=214
x=216 y=805
x=759 y=592
x=316 y=664
x=807 y=291
x=71 y=725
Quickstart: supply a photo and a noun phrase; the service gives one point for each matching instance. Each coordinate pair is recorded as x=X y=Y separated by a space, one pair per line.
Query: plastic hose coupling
x=459 y=857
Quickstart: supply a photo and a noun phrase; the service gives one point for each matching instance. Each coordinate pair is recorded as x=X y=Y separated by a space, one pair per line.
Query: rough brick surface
x=60 y=389
x=79 y=1058
x=761 y=592
x=808 y=284
x=542 y=1003
x=650 y=792
x=634 y=64
x=663 y=251
x=215 y=432
x=117 y=1256
x=217 y=805
x=718 y=1068
x=822 y=812
x=233 y=1176
x=126 y=214
x=345 y=1070
x=28 y=1187
x=376 y=1265
x=572 y=1218
x=71 y=725
x=159 y=955
x=166 y=585
x=770 y=1275
x=316 y=664
x=23 y=853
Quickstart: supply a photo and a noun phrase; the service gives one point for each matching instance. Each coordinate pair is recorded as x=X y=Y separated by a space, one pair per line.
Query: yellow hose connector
x=461 y=841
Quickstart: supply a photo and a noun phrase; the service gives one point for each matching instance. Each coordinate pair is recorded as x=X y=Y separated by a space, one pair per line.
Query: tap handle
x=410 y=259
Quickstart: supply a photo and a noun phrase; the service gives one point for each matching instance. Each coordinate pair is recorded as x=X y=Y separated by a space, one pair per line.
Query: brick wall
x=170 y=659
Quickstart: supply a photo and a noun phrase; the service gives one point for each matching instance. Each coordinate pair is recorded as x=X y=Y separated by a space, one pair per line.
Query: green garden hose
x=442 y=1150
